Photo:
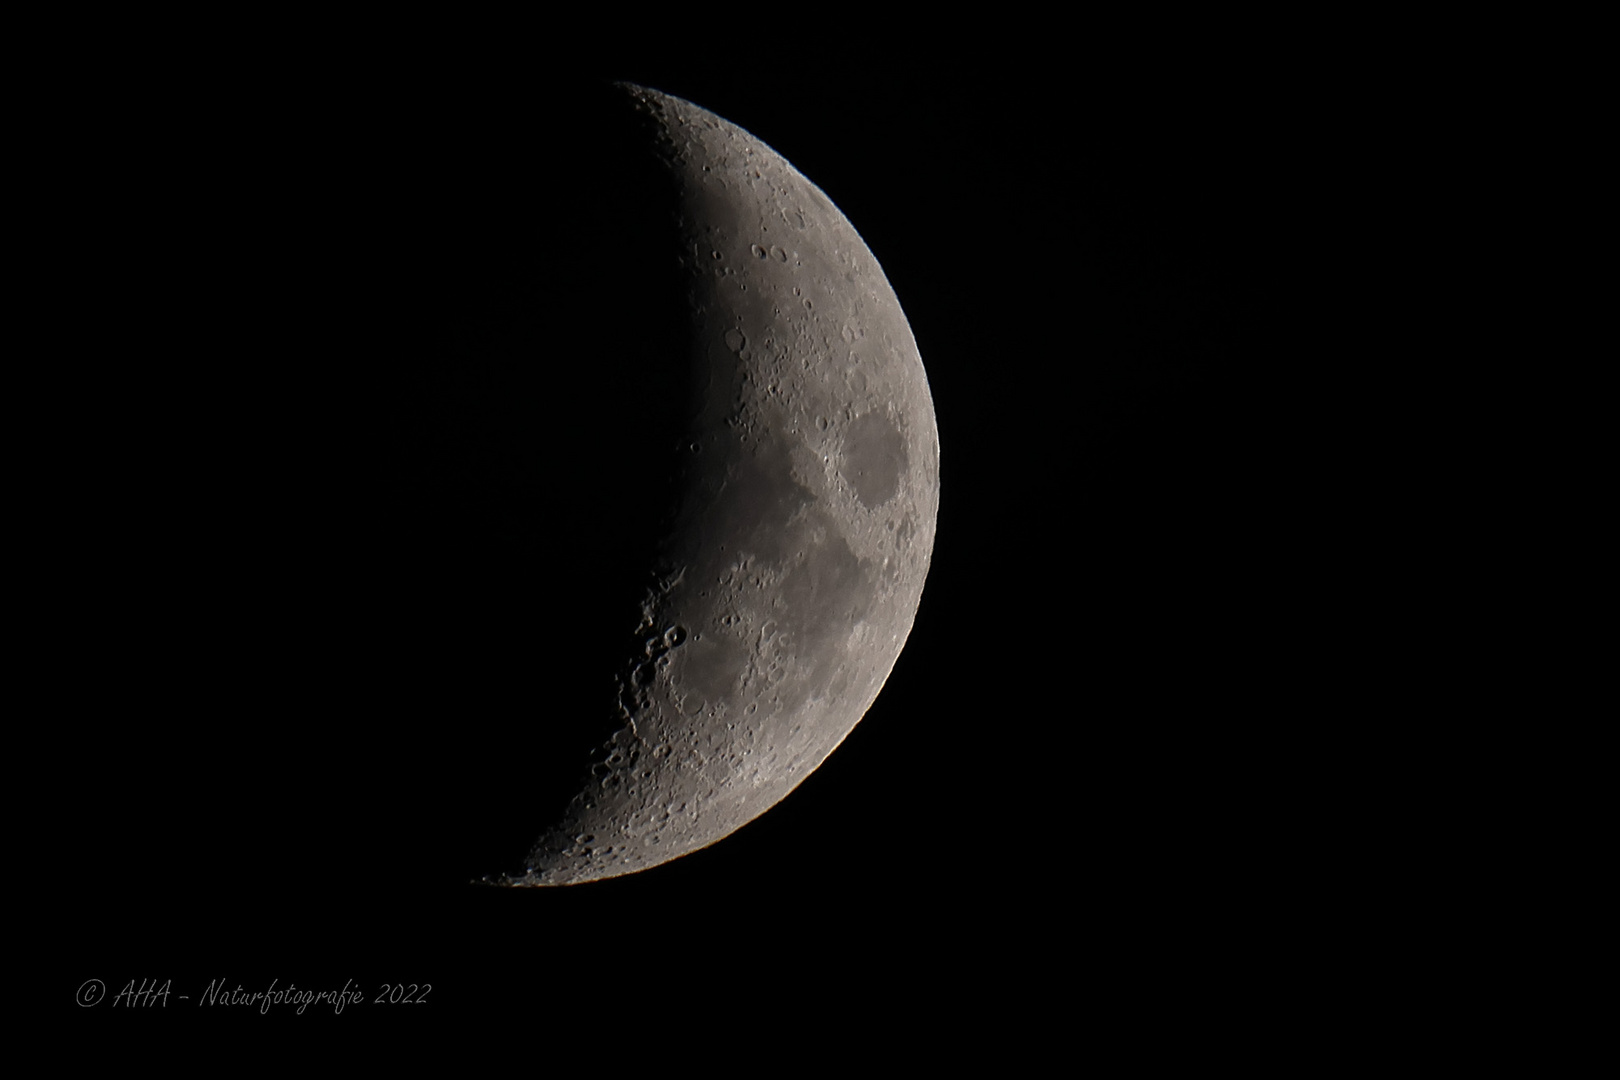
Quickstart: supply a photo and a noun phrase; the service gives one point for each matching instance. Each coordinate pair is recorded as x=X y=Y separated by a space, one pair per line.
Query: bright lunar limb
x=807 y=496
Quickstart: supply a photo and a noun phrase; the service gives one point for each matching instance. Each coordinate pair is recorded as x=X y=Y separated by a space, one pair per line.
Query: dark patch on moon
x=751 y=520
x=710 y=668
x=874 y=459
x=822 y=599
x=747 y=510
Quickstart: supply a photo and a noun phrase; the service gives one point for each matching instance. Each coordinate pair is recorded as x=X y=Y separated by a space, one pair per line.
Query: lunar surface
x=804 y=491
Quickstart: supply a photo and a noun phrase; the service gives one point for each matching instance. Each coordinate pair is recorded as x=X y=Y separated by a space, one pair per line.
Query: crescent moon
x=792 y=571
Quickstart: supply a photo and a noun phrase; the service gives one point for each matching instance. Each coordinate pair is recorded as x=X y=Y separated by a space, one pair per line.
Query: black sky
x=1084 y=747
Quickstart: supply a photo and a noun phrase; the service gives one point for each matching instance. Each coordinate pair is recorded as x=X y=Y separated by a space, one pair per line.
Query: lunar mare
x=808 y=495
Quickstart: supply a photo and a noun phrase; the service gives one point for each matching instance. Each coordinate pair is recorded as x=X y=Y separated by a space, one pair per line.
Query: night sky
x=1081 y=754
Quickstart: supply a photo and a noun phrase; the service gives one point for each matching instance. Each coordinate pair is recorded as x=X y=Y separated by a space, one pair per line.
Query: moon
x=801 y=486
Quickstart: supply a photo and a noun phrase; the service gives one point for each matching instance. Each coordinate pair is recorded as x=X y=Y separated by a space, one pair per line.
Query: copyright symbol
x=90 y=993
